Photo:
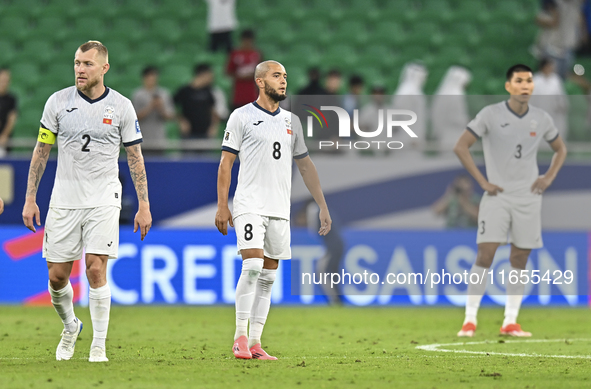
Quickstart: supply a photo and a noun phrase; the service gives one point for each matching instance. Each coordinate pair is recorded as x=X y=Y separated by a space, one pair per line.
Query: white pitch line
x=436 y=347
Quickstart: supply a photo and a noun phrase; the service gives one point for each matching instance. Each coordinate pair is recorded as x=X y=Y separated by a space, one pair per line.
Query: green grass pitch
x=317 y=347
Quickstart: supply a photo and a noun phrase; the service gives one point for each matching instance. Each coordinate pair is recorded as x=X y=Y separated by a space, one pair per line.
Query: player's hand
x=222 y=217
x=325 y=222
x=1 y=206
x=143 y=221
x=491 y=189
x=30 y=214
x=541 y=184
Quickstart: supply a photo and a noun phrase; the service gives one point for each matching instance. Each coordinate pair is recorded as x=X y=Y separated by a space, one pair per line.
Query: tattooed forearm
x=38 y=164
x=135 y=160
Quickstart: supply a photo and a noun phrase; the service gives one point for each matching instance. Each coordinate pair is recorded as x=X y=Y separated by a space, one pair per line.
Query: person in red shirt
x=241 y=67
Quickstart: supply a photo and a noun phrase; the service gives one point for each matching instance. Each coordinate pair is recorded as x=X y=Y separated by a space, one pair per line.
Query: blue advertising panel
x=200 y=266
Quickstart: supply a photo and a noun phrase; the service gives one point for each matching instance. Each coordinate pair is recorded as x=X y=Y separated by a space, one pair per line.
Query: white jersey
x=510 y=144
x=89 y=136
x=265 y=143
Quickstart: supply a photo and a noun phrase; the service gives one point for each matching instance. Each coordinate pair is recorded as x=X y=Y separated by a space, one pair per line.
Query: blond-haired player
x=90 y=122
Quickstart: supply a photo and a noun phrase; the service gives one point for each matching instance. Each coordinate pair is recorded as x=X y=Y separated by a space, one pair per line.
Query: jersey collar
x=514 y=113
x=91 y=101
x=265 y=111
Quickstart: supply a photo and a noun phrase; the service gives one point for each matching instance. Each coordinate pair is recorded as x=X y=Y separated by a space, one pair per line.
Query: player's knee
x=484 y=258
x=94 y=274
x=58 y=280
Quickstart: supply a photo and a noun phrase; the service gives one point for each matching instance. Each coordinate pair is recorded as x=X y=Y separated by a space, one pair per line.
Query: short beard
x=276 y=97
x=88 y=86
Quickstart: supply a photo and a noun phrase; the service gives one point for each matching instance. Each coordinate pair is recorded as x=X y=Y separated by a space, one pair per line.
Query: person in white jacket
x=409 y=95
x=550 y=95
x=449 y=109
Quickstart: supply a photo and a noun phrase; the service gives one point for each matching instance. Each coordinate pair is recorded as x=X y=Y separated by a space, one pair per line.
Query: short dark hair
x=333 y=73
x=314 y=72
x=150 y=69
x=544 y=62
x=355 y=80
x=517 y=68
x=201 y=68
x=247 y=34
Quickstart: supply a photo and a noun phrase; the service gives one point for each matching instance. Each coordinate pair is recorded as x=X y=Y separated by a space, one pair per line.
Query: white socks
x=475 y=293
x=261 y=305
x=62 y=301
x=245 y=292
x=514 y=298
x=99 y=302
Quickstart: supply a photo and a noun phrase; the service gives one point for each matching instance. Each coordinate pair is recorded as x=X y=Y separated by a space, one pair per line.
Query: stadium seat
x=390 y=33
x=343 y=56
x=16 y=27
x=37 y=51
x=315 y=31
x=7 y=51
x=25 y=74
x=174 y=76
x=277 y=32
x=90 y=28
x=52 y=28
x=165 y=30
x=128 y=30
x=352 y=33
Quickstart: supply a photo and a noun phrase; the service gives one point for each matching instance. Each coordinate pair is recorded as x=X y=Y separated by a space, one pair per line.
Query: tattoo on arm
x=135 y=160
x=38 y=164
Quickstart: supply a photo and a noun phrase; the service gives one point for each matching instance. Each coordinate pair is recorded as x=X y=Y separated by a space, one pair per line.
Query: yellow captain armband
x=46 y=136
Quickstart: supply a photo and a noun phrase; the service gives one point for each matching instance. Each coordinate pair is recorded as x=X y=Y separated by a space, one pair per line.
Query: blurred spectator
x=198 y=117
x=241 y=67
x=1 y=206
x=153 y=105
x=369 y=115
x=221 y=23
x=585 y=48
x=561 y=23
x=313 y=87
x=352 y=100
x=333 y=82
x=409 y=96
x=459 y=204
x=449 y=110
x=221 y=103
x=330 y=262
x=8 y=111
x=550 y=95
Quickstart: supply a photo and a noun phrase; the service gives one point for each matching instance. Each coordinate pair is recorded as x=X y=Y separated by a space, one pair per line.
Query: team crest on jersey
x=533 y=124
x=108 y=115
x=287 y=122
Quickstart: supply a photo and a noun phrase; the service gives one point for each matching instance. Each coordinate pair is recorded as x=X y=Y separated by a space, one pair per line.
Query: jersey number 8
x=276 y=150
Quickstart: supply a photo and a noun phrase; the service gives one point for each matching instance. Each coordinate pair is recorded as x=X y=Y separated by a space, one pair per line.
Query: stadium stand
x=370 y=37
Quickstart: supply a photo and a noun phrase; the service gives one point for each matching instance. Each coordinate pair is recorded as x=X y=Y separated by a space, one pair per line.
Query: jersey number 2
x=84 y=147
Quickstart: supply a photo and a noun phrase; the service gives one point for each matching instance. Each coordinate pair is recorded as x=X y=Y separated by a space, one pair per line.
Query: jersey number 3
x=84 y=147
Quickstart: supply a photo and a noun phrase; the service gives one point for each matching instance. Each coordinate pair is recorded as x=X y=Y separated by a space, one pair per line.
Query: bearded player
x=266 y=139
x=90 y=122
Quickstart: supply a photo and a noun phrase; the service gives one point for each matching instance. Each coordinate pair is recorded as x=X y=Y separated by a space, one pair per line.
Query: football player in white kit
x=90 y=122
x=266 y=138
x=510 y=209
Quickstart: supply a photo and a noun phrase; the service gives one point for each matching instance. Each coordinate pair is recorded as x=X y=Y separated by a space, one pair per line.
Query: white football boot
x=65 y=349
x=98 y=354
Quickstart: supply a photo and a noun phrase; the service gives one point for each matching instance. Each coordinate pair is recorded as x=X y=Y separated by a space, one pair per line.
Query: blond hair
x=100 y=48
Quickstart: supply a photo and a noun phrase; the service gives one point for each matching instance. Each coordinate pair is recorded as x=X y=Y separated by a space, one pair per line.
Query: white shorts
x=68 y=231
x=511 y=219
x=271 y=234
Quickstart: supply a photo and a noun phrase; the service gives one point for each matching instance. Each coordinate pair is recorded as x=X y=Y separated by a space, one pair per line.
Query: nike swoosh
x=71 y=110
